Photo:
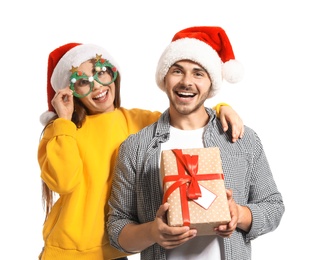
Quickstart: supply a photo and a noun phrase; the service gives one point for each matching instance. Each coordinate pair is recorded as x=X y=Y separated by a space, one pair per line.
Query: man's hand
x=166 y=236
x=227 y=230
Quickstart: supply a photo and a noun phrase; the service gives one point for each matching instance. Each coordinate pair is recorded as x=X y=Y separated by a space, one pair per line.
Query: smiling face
x=101 y=98
x=187 y=86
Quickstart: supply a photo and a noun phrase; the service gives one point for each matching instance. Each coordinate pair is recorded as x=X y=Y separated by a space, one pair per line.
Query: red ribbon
x=187 y=183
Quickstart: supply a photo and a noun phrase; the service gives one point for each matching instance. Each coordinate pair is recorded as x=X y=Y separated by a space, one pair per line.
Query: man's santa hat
x=60 y=62
x=209 y=47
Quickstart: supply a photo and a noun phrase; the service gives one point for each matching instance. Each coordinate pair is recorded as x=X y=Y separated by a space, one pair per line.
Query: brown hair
x=78 y=117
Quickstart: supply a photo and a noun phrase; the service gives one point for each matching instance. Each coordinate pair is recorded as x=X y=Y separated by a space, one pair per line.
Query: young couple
x=85 y=126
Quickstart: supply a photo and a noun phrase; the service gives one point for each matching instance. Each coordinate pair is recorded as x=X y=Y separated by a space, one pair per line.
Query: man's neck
x=192 y=121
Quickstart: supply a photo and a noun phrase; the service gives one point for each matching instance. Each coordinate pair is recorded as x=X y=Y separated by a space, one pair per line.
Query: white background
x=272 y=39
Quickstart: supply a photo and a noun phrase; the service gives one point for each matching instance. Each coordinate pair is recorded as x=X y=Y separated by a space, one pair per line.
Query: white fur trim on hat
x=75 y=57
x=46 y=117
x=203 y=54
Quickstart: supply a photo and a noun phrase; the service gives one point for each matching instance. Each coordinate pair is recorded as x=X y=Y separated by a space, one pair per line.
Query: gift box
x=193 y=184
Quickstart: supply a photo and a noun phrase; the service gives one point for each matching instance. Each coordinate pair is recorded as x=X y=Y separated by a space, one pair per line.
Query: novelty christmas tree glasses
x=82 y=85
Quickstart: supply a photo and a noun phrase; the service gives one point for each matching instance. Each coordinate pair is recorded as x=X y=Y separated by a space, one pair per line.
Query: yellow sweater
x=76 y=164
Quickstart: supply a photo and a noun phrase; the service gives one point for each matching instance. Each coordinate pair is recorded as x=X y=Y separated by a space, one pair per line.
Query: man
x=190 y=70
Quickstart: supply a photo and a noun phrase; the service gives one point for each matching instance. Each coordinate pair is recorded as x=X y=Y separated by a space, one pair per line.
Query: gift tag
x=207 y=198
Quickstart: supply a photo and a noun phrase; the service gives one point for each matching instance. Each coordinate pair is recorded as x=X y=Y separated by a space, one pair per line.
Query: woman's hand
x=228 y=117
x=63 y=103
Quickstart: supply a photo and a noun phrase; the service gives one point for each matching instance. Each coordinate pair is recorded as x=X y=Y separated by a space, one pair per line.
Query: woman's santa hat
x=209 y=47
x=60 y=62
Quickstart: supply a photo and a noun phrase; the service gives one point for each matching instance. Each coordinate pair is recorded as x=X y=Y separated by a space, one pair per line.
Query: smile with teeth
x=102 y=94
x=185 y=94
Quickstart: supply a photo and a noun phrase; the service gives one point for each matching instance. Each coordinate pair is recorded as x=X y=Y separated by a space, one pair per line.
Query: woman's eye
x=104 y=76
x=83 y=82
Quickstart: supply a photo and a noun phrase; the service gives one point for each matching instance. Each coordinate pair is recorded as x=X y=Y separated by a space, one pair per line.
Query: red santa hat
x=60 y=62
x=209 y=47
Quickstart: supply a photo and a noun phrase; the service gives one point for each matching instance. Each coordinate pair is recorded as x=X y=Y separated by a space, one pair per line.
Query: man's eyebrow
x=199 y=68
x=176 y=65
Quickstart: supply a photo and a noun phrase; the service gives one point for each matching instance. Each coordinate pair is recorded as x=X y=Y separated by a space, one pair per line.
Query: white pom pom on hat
x=208 y=46
x=60 y=62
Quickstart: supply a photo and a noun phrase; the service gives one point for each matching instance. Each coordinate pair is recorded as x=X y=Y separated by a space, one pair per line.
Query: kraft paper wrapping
x=209 y=175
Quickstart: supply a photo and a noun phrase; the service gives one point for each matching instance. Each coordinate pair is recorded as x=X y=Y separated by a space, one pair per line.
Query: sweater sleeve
x=58 y=157
x=139 y=118
x=217 y=108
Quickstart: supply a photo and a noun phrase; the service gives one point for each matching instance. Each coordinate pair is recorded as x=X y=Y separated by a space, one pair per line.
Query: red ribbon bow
x=190 y=164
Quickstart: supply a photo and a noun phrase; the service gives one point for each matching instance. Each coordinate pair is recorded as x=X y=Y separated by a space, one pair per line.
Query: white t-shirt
x=200 y=247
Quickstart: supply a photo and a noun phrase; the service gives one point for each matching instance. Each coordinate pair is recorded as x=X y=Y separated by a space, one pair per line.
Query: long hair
x=78 y=118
